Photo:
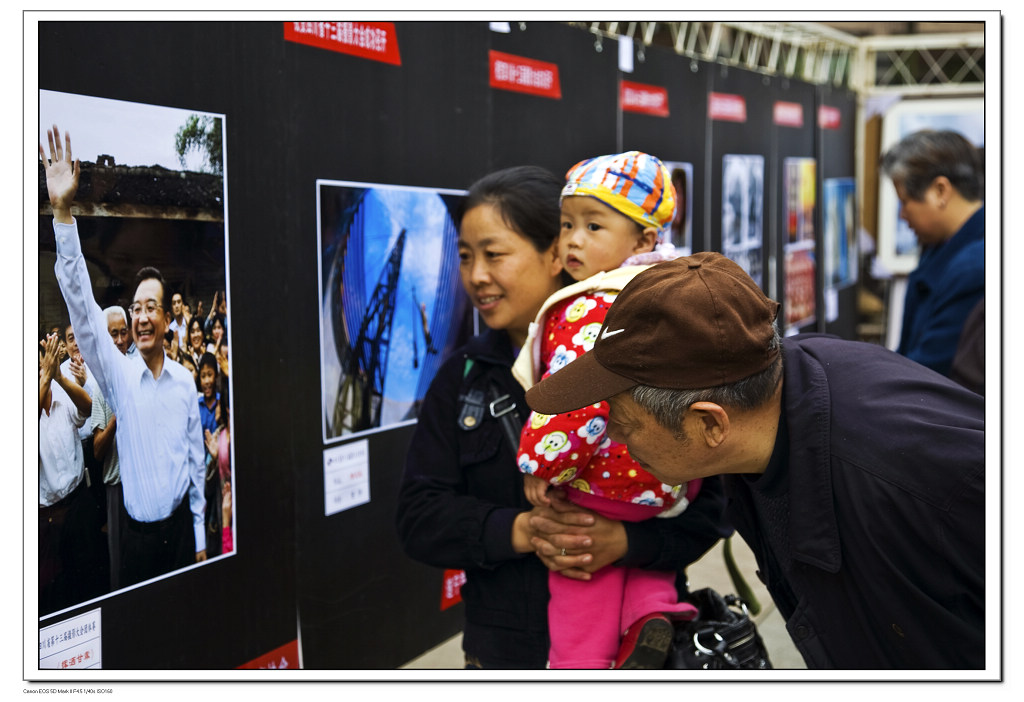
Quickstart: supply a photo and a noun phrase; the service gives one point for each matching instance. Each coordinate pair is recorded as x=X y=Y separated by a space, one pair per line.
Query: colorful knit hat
x=634 y=183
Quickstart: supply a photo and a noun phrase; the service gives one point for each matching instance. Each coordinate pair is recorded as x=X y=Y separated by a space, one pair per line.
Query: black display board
x=552 y=133
x=791 y=142
x=750 y=137
x=295 y=114
x=681 y=135
x=423 y=123
x=224 y=614
x=835 y=144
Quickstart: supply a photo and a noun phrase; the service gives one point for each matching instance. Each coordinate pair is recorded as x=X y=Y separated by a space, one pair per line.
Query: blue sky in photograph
x=422 y=213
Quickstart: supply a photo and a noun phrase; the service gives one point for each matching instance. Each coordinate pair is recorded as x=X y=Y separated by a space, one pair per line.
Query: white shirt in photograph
x=61 y=466
x=159 y=436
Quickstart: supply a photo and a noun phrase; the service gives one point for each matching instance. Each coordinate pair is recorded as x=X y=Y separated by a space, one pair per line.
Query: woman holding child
x=462 y=502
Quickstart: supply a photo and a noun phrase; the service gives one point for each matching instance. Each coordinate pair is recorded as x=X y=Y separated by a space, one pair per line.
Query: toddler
x=614 y=210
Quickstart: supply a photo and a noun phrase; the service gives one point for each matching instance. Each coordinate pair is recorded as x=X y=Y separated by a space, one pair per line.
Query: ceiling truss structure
x=922 y=64
x=907 y=64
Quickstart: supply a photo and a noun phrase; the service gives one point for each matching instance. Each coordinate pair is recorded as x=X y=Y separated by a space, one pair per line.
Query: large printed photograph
x=743 y=212
x=391 y=301
x=140 y=322
x=800 y=256
x=681 y=229
x=841 y=256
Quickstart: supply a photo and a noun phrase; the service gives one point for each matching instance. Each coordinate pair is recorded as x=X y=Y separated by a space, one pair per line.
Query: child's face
x=207 y=376
x=595 y=237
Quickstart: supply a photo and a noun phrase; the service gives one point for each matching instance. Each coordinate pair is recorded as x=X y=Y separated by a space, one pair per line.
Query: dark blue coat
x=943 y=289
x=869 y=524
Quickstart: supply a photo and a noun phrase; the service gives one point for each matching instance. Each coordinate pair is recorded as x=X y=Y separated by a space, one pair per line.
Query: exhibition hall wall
x=328 y=219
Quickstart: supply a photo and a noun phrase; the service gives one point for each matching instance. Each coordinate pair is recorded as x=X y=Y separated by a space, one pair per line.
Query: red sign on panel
x=370 y=40
x=828 y=117
x=524 y=75
x=788 y=114
x=727 y=108
x=451 y=591
x=646 y=99
x=282 y=658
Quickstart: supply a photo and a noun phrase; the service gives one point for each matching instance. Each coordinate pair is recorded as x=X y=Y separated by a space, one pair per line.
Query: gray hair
x=667 y=406
x=118 y=310
x=919 y=158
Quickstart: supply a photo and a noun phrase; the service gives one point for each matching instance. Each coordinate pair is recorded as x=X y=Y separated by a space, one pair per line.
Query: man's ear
x=943 y=189
x=646 y=241
x=712 y=422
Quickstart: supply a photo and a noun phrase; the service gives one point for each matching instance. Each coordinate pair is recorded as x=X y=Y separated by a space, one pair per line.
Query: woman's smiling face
x=196 y=335
x=506 y=278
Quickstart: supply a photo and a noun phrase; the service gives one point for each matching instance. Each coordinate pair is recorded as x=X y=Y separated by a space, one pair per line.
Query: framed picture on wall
x=841 y=256
x=391 y=300
x=151 y=193
x=897 y=245
x=743 y=212
x=681 y=229
x=800 y=258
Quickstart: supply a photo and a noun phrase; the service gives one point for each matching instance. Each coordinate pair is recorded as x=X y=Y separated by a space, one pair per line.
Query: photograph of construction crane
x=391 y=304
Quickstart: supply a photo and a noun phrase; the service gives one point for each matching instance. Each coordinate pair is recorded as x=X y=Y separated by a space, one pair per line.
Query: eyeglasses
x=150 y=307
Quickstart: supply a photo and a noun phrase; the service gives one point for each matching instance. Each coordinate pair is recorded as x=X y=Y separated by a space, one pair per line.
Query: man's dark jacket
x=869 y=524
x=941 y=292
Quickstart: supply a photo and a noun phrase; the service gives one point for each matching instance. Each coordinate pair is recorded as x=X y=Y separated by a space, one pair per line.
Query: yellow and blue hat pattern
x=634 y=183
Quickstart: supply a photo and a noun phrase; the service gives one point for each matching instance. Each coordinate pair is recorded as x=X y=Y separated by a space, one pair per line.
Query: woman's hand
x=572 y=540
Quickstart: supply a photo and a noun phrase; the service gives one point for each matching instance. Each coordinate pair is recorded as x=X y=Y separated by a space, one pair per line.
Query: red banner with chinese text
x=788 y=114
x=726 y=107
x=451 y=590
x=642 y=98
x=828 y=117
x=524 y=75
x=370 y=40
x=282 y=658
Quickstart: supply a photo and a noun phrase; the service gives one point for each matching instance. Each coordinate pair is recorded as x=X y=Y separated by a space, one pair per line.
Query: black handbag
x=721 y=637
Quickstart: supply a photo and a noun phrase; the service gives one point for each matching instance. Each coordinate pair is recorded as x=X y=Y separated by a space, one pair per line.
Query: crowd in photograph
x=82 y=515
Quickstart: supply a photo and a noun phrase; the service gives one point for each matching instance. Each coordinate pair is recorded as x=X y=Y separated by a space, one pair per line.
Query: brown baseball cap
x=694 y=322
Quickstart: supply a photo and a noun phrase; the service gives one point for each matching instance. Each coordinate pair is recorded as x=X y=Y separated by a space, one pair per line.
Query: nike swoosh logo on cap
x=605 y=334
